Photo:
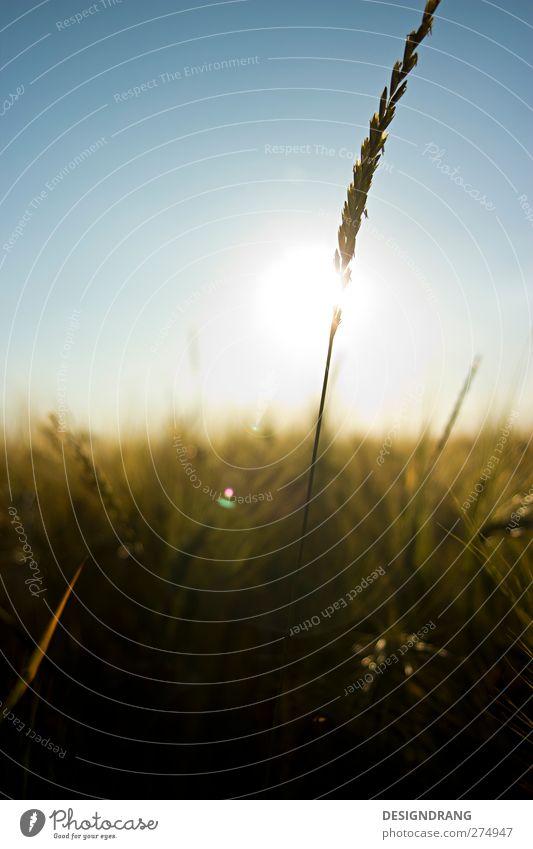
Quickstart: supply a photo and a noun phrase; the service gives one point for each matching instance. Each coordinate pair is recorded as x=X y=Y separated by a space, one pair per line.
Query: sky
x=172 y=181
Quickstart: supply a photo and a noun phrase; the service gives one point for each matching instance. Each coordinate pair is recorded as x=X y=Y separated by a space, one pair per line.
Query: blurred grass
x=173 y=635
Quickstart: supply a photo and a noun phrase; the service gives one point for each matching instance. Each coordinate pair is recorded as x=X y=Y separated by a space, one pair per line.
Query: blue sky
x=164 y=164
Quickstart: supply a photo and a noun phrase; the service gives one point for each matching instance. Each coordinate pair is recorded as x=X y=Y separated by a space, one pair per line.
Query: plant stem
x=428 y=468
x=333 y=329
x=353 y=211
x=335 y=321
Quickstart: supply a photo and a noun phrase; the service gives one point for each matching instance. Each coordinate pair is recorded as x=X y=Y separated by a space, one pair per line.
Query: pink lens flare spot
x=228 y=492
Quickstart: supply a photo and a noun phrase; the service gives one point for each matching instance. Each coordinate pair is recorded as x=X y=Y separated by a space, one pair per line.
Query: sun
x=297 y=294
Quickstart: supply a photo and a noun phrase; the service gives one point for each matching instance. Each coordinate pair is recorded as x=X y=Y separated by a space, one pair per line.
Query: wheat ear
x=353 y=211
x=373 y=147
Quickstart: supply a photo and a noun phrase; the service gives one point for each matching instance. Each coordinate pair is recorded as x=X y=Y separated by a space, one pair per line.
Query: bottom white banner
x=267 y=824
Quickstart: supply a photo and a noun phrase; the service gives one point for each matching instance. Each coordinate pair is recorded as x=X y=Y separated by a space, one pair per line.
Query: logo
x=32 y=822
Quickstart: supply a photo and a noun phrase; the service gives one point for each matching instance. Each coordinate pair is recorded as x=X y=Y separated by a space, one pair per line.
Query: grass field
x=188 y=617
x=406 y=672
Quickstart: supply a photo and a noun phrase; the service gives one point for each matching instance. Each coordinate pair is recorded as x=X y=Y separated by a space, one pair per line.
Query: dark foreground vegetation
x=406 y=674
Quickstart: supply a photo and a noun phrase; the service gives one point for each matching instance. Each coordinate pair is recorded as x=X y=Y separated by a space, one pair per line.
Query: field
x=405 y=672
x=270 y=610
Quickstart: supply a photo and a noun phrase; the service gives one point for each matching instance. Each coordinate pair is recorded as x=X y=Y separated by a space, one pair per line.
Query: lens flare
x=226 y=499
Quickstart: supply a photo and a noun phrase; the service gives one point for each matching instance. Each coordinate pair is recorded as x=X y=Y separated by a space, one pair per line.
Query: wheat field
x=166 y=658
x=285 y=610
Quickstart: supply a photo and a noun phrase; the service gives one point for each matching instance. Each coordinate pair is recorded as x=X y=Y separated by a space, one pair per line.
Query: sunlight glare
x=297 y=296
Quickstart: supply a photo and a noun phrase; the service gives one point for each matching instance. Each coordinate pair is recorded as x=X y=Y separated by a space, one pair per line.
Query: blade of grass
x=411 y=547
x=441 y=444
x=40 y=652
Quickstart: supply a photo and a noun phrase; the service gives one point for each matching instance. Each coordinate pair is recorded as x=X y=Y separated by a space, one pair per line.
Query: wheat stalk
x=354 y=209
x=353 y=212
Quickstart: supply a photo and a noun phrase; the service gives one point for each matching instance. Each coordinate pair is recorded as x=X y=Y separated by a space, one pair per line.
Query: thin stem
x=456 y=410
x=353 y=211
x=410 y=550
x=335 y=321
x=333 y=329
